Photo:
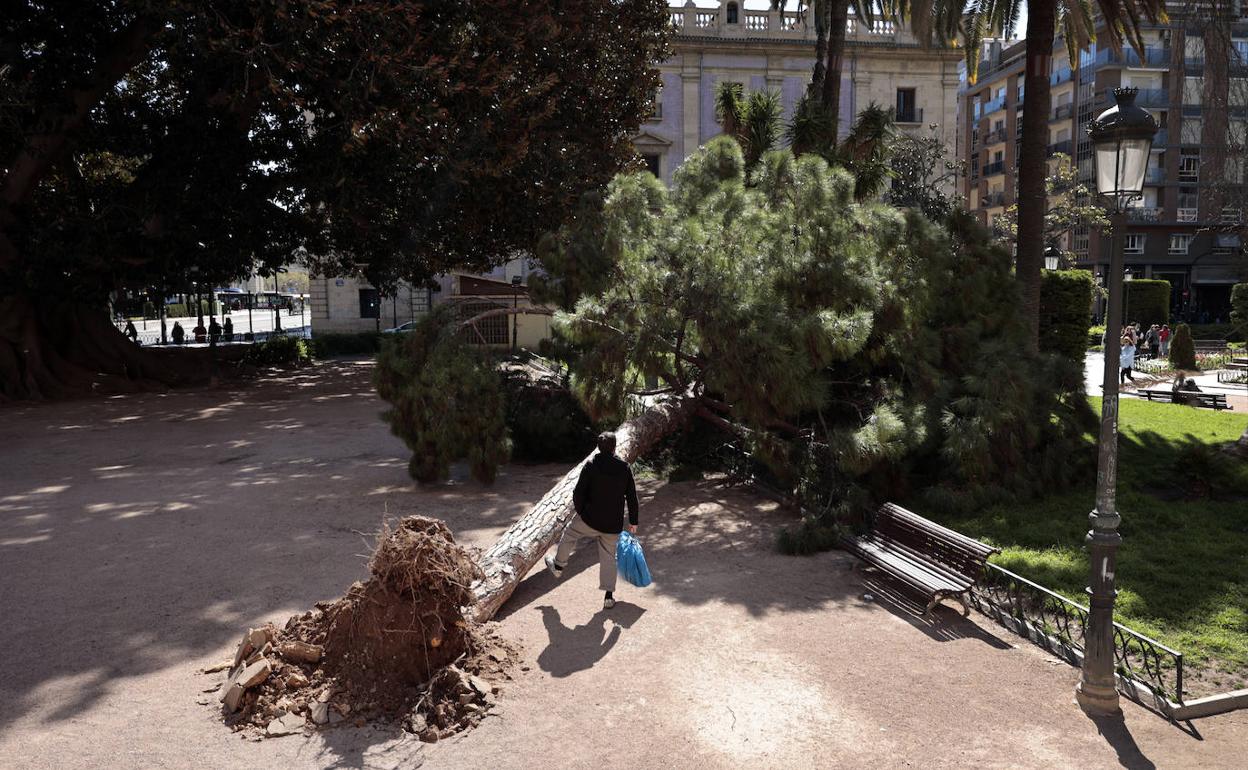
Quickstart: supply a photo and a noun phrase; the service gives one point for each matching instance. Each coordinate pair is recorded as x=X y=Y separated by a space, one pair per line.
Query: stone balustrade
x=688 y=19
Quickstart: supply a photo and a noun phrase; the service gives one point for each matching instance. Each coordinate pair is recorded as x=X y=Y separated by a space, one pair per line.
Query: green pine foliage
x=1147 y=301
x=1065 y=312
x=860 y=351
x=1182 y=349
x=1239 y=309
x=446 y=401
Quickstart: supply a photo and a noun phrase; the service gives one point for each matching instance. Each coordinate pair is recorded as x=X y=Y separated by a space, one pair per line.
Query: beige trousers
x=578 y=530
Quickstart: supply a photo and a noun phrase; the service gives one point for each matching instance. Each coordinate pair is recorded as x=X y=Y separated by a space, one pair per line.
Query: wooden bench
x=1205 y=400
x=933 y=560
x=1209 y=346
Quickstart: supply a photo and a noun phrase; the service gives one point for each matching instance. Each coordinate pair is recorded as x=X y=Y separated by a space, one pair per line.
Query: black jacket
x=605 y=485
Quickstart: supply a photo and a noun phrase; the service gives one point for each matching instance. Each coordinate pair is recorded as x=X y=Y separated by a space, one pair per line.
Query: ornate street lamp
x=1052 y=256
x=1122 y=138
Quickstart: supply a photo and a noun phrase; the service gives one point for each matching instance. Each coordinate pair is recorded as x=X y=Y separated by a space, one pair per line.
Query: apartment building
x=774 y=49
x=1188 y=228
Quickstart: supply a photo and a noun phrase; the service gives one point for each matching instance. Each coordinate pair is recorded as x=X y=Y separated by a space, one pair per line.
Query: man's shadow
x=580 y=647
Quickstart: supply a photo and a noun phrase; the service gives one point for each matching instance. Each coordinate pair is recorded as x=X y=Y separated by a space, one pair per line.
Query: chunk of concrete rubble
x=223 y=666
x=254 y=674
x=325 y=695
x=479 y=684
x=319 y=712
x=264 y=651
x=245 y=648
x=300 y=652
x=259 y=636
x=232 y=698
x=296 y=679
x=287 y=724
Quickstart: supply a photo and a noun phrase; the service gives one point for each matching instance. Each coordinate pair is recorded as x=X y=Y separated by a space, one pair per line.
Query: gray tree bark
x=507 y=562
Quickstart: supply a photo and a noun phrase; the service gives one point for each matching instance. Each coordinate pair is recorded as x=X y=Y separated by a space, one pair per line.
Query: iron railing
x=1058 y=622
x=151 y=337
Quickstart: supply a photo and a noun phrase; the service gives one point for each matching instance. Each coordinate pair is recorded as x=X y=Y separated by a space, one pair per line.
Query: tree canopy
x=142 y=139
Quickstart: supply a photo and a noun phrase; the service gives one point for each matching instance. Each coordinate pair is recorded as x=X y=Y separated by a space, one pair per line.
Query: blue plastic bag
x=631 y=562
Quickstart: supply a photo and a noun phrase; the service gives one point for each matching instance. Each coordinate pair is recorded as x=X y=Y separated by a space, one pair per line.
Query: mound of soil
x=396 y=647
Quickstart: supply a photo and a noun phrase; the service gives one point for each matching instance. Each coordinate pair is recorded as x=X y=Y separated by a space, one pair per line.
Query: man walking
x=605 y=486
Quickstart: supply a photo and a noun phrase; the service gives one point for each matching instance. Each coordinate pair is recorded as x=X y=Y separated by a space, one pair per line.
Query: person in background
x=178 y=333
x=201 y=333
x=1164 y=336
x=214 y=331
x=1126 y=360
x=132 y=332
x=1153 y=338
x=229 y=330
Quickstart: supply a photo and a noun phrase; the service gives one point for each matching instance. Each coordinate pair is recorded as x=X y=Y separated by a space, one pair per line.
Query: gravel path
x=140 y=535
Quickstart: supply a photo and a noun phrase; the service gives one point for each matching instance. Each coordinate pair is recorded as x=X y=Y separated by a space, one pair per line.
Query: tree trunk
x=820 y=11
x=1033 y=165
x=515 y=553
x=838 y=18
x=69 y=349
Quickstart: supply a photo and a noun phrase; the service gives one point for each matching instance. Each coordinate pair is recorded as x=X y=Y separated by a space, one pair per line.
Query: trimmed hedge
x=328 y=345
x=1146 y=301
x=1065 y=312
x=1239 y=309
x=279 y=351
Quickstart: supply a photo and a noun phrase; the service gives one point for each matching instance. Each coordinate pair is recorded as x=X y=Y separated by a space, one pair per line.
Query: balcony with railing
x=1064 y=146
x=1195 y=67
x=912 y=115
x=994 y=199
x=1063 y=112
x=1145 y=97
x=1144 y=214
x=1188 y=214
x=1153 y=57
x=992 y=169
x=1062 y=75
x=995 y=136
x=1155 y=176
x=994 y=106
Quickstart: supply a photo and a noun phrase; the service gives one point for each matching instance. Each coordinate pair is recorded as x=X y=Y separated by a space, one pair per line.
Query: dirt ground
x=140 y=535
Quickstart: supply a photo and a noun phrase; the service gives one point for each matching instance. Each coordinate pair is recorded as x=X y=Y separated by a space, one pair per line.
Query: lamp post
x=1122 y=138
x=1052 y=256
x=516 y=280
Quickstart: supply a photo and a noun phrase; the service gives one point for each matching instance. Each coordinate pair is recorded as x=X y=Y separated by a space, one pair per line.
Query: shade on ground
x=139 y=536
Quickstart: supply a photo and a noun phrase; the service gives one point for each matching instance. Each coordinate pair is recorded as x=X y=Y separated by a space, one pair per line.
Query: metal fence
x=151 y=337
x=1059 y=624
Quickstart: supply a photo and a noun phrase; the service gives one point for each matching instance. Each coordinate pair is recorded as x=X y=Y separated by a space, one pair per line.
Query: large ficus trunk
x=62 y=349
x=507 y=562
x=1033 y=163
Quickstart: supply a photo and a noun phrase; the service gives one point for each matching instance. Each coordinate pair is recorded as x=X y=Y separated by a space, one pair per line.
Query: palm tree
x=754 y=121
x=1077 y=20
x=831 y=20
x=866 y=151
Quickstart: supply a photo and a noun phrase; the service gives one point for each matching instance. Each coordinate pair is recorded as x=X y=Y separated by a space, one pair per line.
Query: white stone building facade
x=748 y=43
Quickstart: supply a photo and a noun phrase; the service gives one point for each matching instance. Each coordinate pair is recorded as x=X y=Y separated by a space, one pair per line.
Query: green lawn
x=1183 y=566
